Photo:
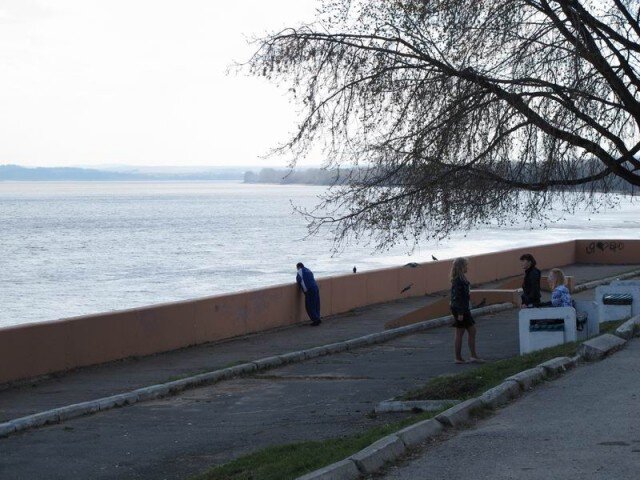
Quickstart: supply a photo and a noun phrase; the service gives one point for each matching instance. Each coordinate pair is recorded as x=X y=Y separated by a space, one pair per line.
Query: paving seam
x=153 y=392
x=375 y=457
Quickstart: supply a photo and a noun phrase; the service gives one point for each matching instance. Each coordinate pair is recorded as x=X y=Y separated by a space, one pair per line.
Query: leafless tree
x=462 y=112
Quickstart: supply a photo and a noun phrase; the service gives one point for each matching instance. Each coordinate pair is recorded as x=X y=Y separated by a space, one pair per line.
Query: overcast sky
x=141 y=82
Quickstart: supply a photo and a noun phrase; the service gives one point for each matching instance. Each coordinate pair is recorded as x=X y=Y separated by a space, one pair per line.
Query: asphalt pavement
x=585 y=425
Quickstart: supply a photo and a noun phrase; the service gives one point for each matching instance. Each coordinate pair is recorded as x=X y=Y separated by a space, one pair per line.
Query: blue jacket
x=307 y=281
x=560 y=297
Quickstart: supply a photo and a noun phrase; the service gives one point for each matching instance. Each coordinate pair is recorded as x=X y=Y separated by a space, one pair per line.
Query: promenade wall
x=41 y=348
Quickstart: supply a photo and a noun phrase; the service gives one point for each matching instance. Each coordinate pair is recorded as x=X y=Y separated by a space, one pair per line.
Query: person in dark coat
x=460 y=303
x=531 y=282
x=307 y=284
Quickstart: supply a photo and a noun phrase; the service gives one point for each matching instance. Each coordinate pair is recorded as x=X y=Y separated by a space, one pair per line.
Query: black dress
x=531 y=287
x=459 y=303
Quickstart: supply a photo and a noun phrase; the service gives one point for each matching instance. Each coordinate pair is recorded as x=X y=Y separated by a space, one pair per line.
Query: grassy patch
x=286 y=462
x=474 y=382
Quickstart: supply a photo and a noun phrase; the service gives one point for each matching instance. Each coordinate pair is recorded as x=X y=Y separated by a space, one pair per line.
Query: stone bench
x=617 y=301
x=546 y=327
x=549 y=326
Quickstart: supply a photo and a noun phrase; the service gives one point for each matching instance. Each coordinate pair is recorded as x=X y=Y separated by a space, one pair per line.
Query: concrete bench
x=549 y=326
x=617 y=302
x=587 y=318
x=546 y=327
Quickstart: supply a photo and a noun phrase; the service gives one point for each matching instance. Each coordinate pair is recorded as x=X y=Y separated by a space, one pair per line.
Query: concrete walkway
x=182 y=435
x=109 y=379
x=178 y=436
x=582 y=426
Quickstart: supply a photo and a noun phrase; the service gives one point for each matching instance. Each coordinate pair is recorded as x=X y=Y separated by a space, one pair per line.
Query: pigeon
x=406 y=288
x=411 y=264
x=354 y=269
x=434 y=258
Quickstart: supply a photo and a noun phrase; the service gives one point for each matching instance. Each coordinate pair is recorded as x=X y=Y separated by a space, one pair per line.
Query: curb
x=629 y=329
x=501 y=394
x=372 y=458
x=377 y=455
x=558 y=365
x=527 y=379
x=460 y=414
x=419 y=432
x=153 y=392
x=604 y=281
x=599 y=347
x=390 y=406
x=343 y=470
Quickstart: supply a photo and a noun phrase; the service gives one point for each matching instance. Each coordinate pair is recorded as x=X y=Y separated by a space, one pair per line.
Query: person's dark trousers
x=312 y=304
x=537 y=304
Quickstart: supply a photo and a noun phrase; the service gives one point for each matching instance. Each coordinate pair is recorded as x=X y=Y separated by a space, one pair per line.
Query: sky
x=140 y=82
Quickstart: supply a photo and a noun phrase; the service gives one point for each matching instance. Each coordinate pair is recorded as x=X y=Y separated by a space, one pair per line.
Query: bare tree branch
x=449 y=114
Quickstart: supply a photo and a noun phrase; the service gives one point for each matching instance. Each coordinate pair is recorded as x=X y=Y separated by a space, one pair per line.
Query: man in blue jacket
x=309 y=287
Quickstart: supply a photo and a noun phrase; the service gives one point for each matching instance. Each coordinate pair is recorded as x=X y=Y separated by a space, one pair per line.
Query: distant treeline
x=52 y=174
x=15 y=172
x=310 y=176
x=406 y=176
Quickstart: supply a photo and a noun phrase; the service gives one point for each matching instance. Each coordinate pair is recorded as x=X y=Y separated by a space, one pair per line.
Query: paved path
x=181 y=435
x=118 y=377
x=178 y=436
x=584 y=426
x=109 y=379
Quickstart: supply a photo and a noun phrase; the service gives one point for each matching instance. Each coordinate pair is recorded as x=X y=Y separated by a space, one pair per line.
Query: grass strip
x=287 y=462
x=475 y=382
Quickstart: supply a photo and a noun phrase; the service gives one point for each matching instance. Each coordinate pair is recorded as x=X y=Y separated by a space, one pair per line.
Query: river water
x=73 y=248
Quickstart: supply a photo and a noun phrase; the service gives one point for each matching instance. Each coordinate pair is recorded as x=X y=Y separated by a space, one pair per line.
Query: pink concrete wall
x=36 y=349
x=613 y=252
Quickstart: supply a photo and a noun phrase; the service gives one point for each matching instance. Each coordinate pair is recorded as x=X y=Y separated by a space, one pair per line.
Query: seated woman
x=560 y=296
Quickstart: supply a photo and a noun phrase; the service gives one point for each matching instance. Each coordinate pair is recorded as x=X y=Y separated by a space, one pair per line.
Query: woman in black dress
x=460 y=309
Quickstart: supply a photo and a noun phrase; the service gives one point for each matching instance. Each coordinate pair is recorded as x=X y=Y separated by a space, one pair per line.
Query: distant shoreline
x=150 y=180
x=17 y=173
x=309 y=176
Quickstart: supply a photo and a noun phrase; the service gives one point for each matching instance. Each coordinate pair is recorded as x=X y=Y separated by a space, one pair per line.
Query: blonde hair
x=556 y=277
x=457 y=268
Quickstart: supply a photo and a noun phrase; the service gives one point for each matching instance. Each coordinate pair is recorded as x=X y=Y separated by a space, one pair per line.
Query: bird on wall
x=434 y=258
x=406 y=288
x=354 y=269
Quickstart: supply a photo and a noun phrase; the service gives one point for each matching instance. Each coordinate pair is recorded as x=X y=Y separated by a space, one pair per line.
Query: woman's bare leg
x=458 y=344
x=471 y=340
x=472 y=344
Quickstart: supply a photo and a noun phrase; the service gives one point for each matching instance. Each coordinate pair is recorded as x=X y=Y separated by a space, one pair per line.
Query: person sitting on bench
x=560 y=296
